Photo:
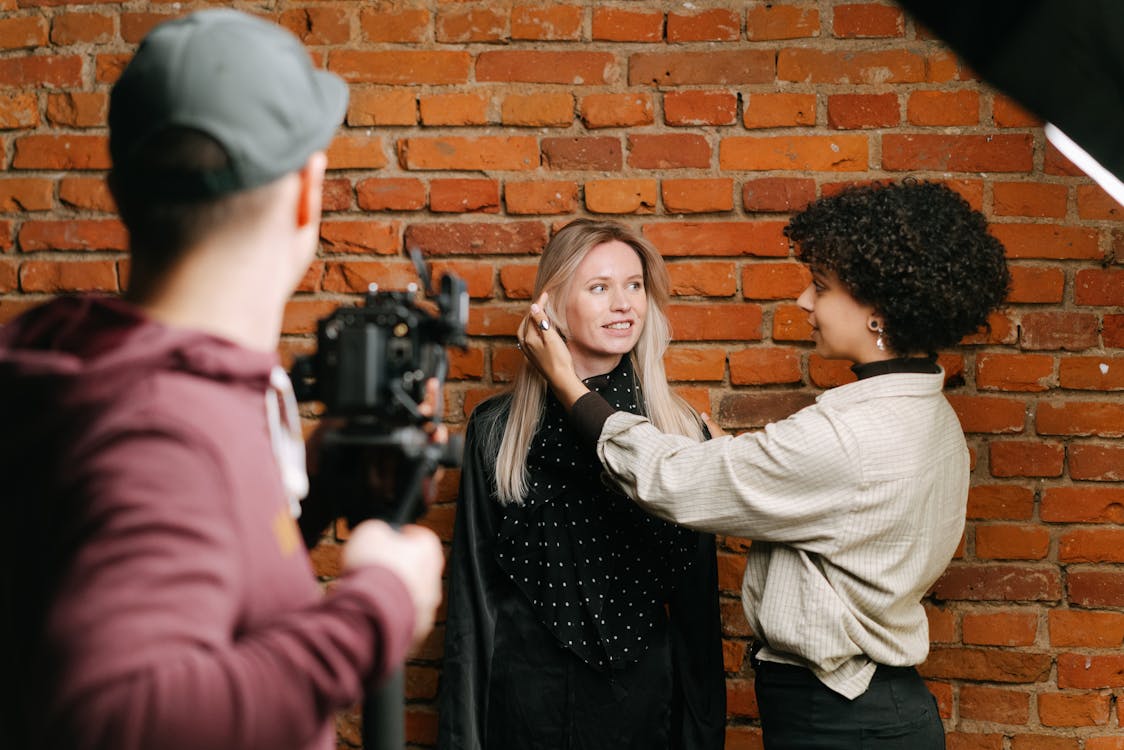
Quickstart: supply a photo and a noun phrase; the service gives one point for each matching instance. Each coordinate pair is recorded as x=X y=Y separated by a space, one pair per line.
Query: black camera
x=370 y=371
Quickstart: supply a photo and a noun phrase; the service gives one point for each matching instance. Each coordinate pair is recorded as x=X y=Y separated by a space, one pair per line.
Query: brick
x=1086 y=672
x=958 y=153
x=1094 y=203
x=1099 y=418
x=999 y=329
x=86 y=192
x=453 y=109
x=801 y=65
x=987 y=414
x=1042 y=742
x=713 y=322
x=716 y=67
x=1054 y=163
x=494 y=320
x=790 y=323
x=743 y=738
x=55 y=277
x=616 y=110
x=62 y=152
x=411 y=25
x=538 y=110
x=59 y=71
x=10 y=307
x=942 y=624
x=362 y=237
x=712 y=25
x=369 y=106
x=354 y=276
x=1059 y=330
x=695 y=196
x=733 y=655
x=772 y=21
x=1083 y=504
x=505 y=364
x=461 y=238
x=586 y=154
x=19 y=194
x=434 y=67
x=390 y=194
x=725 y=238
x=769 y=110
x=1037 y=199
x=854 y=111
x=621 y=196
x=1082 y=710
x=78 y=109
x=1095 y=588
x=23 y=32
x=463 y=25
x=1000 y=628
x=1000 y=502
x=823 y=373
x=135 y=26
x=1032 y=284
x=321 y=25
x=868 y=20
x=356 y=152
x=1007 y=113
x=700 y=108
x=765 y=367
x=19 y=111
x=9 y=276
x=81 y=28
x=1014 y=372
x=774 y=280
x=836 y=153
x=704 y=279
x=1048 y=241
x=998 y=583
x=541 y=197
x=1026 y=459
x=1112 y=331
x=1103 y=287
x=467 y=153
x=464 y=196
x=619 y=25
x=1074 y=628
x=1091 y=545
x=986 y=665
x=694 y=364
x=530 y=66
x=943 y=108
x=999 y=705
x=668 y=151
x=477 y=276
x=551 y=23
x=1099 y=463
x=741 y=698
x=941 y=66
x=1092 y=373
x=759 y=408
x=1011 y=542
x=780 y=194
x=73 y=234
x=1104 y=743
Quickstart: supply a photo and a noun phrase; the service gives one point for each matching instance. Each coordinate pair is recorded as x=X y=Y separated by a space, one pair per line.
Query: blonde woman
x=575 y=619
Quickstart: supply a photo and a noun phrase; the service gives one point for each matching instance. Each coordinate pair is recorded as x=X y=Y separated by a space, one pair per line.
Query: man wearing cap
x=156 y=592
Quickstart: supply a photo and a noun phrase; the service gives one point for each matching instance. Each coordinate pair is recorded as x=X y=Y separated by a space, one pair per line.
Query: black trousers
x=798 y=712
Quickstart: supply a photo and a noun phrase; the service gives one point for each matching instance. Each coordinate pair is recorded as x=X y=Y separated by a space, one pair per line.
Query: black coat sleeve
x=470 y=625
x=699 y=702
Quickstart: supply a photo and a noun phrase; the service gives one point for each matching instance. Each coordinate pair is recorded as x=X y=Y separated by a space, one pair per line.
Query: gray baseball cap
x=246 y=82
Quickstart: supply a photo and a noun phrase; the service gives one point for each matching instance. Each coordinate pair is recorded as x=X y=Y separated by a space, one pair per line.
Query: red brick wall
x=475 y=128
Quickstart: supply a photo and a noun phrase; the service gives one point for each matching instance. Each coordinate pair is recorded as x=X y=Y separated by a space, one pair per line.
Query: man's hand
x=413 y=554
x=544 y=348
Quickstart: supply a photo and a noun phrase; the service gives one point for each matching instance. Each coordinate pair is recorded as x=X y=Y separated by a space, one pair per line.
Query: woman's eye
x=636 y=286
x=597 y=288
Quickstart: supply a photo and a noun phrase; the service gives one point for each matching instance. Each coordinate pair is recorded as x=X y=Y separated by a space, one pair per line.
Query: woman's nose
x=805 y=300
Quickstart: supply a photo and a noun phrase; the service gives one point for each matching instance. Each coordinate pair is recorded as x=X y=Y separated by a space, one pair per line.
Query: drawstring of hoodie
x=285 y=437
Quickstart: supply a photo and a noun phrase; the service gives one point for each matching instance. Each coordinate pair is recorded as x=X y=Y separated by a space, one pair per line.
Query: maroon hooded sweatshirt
x=156 y=592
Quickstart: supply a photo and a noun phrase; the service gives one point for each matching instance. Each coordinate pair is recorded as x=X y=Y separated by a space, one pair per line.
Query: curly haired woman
x=576 y=620
x=855 y=504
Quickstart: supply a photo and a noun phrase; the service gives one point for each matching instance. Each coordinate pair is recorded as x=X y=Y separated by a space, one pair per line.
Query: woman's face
x=840 y=323
x=605 y=308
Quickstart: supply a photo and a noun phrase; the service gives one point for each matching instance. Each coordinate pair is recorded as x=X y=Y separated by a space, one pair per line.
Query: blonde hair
x=667 y=411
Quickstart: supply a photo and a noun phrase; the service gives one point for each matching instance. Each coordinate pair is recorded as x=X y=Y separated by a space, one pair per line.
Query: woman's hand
x=547 y=352
x=712 y=426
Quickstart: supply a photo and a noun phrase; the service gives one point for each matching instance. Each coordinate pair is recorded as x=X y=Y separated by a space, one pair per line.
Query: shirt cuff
x=588 y=416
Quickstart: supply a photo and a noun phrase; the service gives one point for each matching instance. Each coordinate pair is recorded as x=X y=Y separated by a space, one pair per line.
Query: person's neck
x=590 y=367
x=224 y=292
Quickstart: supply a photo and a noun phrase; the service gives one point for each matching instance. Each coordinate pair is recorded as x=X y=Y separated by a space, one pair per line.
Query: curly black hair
x=915 y=251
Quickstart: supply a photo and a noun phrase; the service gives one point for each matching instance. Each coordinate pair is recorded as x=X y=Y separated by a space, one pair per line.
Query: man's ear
x=310 y=199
